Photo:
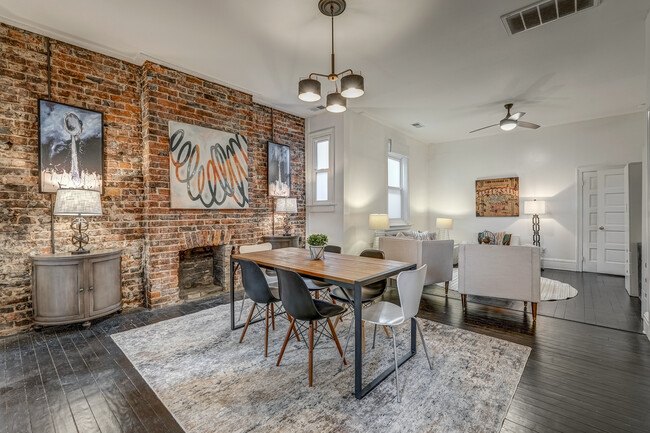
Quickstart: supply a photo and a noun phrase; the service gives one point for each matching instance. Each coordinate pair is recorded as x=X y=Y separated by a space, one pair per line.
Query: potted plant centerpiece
x=317 y=244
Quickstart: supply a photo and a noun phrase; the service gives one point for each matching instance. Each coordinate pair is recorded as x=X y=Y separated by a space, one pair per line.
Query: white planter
x=317 y=252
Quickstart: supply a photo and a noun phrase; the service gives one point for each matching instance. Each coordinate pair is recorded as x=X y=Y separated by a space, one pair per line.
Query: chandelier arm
x=347 y=71
x=318 y=75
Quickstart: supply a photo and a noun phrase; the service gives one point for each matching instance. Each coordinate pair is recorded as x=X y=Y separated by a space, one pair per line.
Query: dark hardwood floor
x=602 y=300
x=579 y=377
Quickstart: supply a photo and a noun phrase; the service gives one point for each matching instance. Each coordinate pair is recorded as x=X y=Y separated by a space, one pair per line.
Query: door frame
x=579 y=198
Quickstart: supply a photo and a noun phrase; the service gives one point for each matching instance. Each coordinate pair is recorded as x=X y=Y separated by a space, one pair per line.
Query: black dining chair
x=257 y=288
x=369 y=293
x=316 y=286
x=301 y=307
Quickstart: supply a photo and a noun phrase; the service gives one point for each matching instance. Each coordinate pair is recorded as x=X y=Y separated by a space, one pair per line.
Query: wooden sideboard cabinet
x=69 y=288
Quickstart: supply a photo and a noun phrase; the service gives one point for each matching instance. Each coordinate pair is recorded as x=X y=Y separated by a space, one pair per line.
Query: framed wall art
x=208 y=169
x=70 y=147
x=279 y=169
x=497 y=197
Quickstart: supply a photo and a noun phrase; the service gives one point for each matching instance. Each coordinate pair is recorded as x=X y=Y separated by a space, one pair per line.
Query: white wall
x=546 y=161
x=361 y=179
x=366 y=177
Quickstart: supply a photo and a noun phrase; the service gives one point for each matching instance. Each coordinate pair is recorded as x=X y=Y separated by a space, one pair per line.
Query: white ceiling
x=448 y=64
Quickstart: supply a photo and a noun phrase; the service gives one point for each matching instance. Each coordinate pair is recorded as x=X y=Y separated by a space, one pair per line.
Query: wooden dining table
x=347 y=271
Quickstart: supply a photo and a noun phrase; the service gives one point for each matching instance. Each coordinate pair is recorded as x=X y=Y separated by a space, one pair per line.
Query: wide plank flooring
x=579 y=377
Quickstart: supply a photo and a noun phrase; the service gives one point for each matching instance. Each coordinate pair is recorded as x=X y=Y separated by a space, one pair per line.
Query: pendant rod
x=332 y=15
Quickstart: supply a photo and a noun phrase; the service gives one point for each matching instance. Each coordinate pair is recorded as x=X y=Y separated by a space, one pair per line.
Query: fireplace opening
x=198 y=275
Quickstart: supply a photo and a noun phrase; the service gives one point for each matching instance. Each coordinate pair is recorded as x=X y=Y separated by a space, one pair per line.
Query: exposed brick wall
x=137 y=103
x=170 y=95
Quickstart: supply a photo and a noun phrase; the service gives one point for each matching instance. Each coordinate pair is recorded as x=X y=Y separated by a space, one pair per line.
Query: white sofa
x=507 y=272
x=437 y=255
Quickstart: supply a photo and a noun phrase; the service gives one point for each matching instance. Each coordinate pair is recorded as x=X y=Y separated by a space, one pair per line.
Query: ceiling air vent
x=317 y=108
x=417 y=125
x=543 y=12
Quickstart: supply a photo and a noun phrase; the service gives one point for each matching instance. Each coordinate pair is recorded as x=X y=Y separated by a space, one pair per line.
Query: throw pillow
x=506 y=239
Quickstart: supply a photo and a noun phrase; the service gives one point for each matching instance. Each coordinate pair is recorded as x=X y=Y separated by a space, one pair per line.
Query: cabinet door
x=104 y=285
x=58 y=291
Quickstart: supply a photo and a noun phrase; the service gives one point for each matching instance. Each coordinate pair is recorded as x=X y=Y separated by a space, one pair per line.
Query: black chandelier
x=351 y=83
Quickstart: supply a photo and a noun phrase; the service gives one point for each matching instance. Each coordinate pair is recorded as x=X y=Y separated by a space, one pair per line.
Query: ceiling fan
x=510 y=122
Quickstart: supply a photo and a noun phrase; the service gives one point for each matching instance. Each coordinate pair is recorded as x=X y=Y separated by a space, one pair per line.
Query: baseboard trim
x=560 y=264
x=646 y=324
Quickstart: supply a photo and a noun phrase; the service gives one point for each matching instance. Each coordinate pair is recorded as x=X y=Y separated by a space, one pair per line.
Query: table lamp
x=378 y=222
x=286 y=206
x=535 y=208
x=444 y=225
x=78 y=203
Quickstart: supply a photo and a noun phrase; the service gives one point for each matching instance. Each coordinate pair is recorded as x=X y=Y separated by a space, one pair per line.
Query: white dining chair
x=271 y=278
x=409 y=286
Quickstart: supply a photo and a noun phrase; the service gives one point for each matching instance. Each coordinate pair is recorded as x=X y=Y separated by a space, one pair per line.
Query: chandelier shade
x=309 y=90
x=336 y=103
x=352 y=86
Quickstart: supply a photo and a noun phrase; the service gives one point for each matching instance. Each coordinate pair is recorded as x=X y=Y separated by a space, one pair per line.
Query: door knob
x=601 y=228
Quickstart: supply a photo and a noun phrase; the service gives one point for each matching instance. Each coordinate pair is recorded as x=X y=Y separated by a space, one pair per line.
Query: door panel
x=105 y=288
x=611 y=219
x=590 y=221
x=59 y=297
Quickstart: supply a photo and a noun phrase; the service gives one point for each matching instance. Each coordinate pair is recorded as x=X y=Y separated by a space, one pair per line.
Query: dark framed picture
x=279 y=169
x=70 y=147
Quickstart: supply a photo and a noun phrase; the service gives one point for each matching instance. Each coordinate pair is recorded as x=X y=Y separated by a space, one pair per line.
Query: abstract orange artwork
x=497 y=197
x=208 y=169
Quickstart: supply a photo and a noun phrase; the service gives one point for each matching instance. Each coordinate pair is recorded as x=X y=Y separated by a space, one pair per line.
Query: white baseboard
x=646 y=324
x=561 y=264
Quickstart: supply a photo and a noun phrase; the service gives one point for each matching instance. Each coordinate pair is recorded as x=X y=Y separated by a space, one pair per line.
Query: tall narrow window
x=398 y=190
x=322 y=168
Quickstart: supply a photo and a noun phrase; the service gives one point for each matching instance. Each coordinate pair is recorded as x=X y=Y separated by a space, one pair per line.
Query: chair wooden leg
x=247 y=323
x=446 y=287
x=286 y=339
x=534 y=311
x=317 y=294
x=273 y=315
x=266 y=333
x=464 y=301
x=338 y=319
x=311 y=353
x=525 y=304
x=336 y=340
x=292 y=325
x=387 y=333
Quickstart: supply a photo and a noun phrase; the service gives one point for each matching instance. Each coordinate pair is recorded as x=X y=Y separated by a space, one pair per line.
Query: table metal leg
x=358 y=355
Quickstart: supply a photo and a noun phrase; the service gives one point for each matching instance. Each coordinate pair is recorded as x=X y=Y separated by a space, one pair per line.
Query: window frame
x=314 y=138
x=403 y=189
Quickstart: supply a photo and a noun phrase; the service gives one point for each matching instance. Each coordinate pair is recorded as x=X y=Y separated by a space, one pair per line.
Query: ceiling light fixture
x=351 y=83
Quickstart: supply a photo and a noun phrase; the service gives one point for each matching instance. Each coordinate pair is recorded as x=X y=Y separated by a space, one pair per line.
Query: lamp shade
x=378 y=221
x=309 y=90
x=352 y=86
x=336 y=103
x=73 y=201
x=444 y=223
x=286 y=205
x=534 y=207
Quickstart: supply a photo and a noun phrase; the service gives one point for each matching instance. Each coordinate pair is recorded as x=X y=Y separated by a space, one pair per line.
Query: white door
x=604 y=247
x=611 y=221
x=590 y=221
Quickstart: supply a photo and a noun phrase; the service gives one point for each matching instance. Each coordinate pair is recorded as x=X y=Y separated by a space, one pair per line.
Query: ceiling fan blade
x=527 y=125
x=485 y=127
x=517 y=116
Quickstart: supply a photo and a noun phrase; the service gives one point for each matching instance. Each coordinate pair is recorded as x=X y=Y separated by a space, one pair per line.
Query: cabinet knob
x=91 y=288
x=81 y=289
x=601 y=228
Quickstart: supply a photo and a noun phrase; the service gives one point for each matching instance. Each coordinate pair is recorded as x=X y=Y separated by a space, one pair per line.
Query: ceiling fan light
x=336 y=103
x=508 y=124
x=309 y=90
x=352 y=86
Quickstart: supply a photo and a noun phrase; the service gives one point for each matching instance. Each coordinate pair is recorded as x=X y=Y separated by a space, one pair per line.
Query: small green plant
x=317 y=240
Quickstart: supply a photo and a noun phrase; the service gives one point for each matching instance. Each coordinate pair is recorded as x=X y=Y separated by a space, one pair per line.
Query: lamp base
x=81 y=251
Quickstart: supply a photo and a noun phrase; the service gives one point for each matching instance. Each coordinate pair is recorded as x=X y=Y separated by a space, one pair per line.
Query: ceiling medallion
x=351 y=83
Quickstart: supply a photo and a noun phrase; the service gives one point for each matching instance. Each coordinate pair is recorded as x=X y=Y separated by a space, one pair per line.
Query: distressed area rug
x=210 y=383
